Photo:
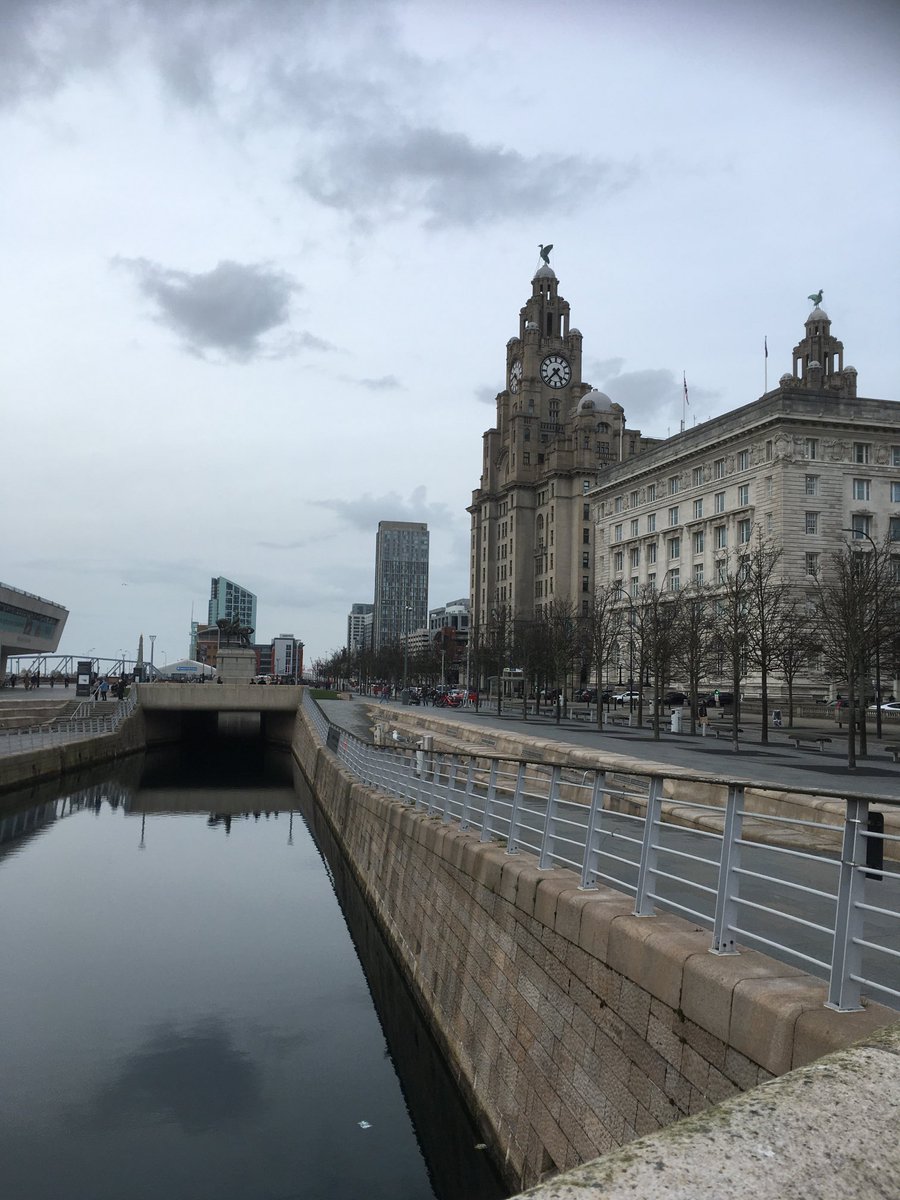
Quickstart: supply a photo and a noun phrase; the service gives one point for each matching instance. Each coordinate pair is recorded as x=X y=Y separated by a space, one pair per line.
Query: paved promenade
x=779 y=763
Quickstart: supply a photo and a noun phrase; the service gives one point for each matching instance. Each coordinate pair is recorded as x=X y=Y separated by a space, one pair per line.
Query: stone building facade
x=554 y=439
x=803 y=465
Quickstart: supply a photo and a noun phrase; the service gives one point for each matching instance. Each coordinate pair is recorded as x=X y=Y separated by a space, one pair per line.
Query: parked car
x=625 y=697
x=673 y=699
x=888 y=706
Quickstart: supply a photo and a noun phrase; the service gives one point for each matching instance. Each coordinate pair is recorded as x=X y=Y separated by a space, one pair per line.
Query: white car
x=888 y=706
x=624 y=697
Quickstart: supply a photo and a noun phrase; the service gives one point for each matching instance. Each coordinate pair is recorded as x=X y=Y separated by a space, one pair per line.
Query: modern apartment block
x=554 y=439
x=229 y=600
x=401 y=581
x=359 y=628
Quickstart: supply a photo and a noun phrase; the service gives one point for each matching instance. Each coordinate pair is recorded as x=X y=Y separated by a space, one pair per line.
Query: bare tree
x=694 y=652
x=657 y=618
x=734 y=616
x=562 y=645
x=796 y=644
x=769 y=594
x=601 y=632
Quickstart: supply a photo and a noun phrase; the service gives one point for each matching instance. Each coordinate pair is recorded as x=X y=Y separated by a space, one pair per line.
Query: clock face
x=555 y=371
x=515 y=375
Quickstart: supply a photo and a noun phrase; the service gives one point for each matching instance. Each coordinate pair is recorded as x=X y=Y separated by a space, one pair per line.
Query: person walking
x=703 y=717
x=103 y=688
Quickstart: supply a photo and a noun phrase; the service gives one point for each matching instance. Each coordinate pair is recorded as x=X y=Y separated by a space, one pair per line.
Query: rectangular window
x=811 y=448
x=812 y=522
x=673 y=485
x=586 y=537
x=698 y=509
x=861 y=452
x=674 y=581
x=894 y=534
x=768 y=487
x=697 y=476
x=743 y=460
x=618 y=560
x=770 y=523
x=861 y=525
x=719 y=468
x=585 y=583
x=585 y=485
x=673 y=515
x=698 y=576
x=699 y=541
x=651 y=552
x=895 y=493
x=721 y=537
x=586 y=512
x=812 y=564
x=635 y=586
x=744 y=528
x=719 y=502
x=651 y=492
x=895 y=456
x=651 y=581
x=768 y=451
x=812 y=485
x=674 y=547
x=635 y=556
x=634 y=527
x=586 y=559
x=743 y=495
x=617 y=533
x=526 y=458
x=862 y=489
x=617 y=504
x=633 y=499
x=651 y=522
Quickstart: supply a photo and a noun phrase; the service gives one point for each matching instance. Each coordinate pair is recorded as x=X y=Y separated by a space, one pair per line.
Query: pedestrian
x=703 y=716
x=103 y=688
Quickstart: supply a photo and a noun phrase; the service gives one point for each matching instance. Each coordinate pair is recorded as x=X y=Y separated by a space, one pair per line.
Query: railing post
x=546 y=856
x=489 y=803
x=450 y=789
x=467 y=798
x=728 y=888
x=846 y=955
x=588 y=882
x=643 y=905
x=512 y=841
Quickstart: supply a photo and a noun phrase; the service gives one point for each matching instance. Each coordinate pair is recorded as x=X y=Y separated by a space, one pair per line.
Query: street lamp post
x=152 y=647
x=858 y=533
x=624 y=592
x=406 y=613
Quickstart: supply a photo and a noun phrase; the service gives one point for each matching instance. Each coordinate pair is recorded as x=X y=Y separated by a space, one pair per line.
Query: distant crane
x=545 y=253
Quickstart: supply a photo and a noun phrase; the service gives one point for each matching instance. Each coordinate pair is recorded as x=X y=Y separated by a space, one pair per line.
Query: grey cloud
x=448 y=179
x=386 y=383
x=486 y=395
x=652 y=393
x=366 y=511
x=227 y=309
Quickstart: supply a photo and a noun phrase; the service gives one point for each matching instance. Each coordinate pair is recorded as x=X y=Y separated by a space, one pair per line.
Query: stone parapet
x=572 y=1026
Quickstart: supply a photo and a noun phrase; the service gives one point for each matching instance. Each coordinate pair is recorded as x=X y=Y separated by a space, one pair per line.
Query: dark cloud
x=366 y=511
x=486 y=395
x=228 y=309
x=450 y=180
x=655 y=393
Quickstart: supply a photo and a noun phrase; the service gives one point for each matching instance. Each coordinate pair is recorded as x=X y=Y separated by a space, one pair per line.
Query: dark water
x=187 y=1012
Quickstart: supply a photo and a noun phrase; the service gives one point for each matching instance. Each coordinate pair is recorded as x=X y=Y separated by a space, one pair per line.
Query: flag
x=686 y=397
x=766 y=346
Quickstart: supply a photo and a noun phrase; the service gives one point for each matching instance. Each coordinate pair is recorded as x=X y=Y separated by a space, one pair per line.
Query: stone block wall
x=573 y=1027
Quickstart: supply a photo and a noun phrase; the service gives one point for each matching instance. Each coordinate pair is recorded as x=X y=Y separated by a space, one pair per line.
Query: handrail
x=742 y=874
x=69 y=729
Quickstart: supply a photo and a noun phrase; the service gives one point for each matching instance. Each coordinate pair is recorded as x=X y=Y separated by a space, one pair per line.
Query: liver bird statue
x=816 y=297
x=545 y=253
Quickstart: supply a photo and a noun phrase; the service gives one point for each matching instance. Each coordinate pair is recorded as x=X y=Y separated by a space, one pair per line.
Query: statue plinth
x=236 y=664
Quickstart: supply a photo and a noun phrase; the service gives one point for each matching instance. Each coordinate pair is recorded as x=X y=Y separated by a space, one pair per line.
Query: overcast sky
x=262 y=259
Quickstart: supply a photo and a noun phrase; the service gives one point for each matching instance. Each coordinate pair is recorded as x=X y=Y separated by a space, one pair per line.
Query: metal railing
x=86 y=722
x=822 y=895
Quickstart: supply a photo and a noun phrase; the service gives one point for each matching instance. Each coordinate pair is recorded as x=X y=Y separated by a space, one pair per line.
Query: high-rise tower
x=401 y=581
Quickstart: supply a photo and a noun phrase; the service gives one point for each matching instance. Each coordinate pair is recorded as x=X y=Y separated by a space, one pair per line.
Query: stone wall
x=572 y=1026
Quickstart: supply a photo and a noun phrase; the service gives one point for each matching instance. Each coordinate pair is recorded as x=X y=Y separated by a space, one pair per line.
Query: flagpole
x=766 y=362
x=684 y=400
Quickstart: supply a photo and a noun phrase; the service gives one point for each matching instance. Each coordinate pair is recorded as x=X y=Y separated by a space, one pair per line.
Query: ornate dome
x=818 y=314
x=545 y=271
x=594 y=401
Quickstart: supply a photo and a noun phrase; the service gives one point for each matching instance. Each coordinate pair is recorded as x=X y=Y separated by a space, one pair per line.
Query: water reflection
x=192 y=1021
x=196 y=1077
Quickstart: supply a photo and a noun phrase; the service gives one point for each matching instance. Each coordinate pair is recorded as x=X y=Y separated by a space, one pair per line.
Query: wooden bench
x=719 y=731
x=800 y=739
x=893 y=751
x=580 y=714
x=609 y=719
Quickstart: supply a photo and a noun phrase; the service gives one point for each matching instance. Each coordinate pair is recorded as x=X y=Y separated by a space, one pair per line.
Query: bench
x=719 y=731
x=893 y=751
x=580 y=714
x=801 y=740
x=609 y=719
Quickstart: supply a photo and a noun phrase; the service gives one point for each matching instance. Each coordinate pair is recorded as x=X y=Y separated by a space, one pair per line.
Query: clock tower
x=532 y=534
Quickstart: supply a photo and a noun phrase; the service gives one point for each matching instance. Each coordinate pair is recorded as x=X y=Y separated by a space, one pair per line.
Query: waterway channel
x=195 y=1003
